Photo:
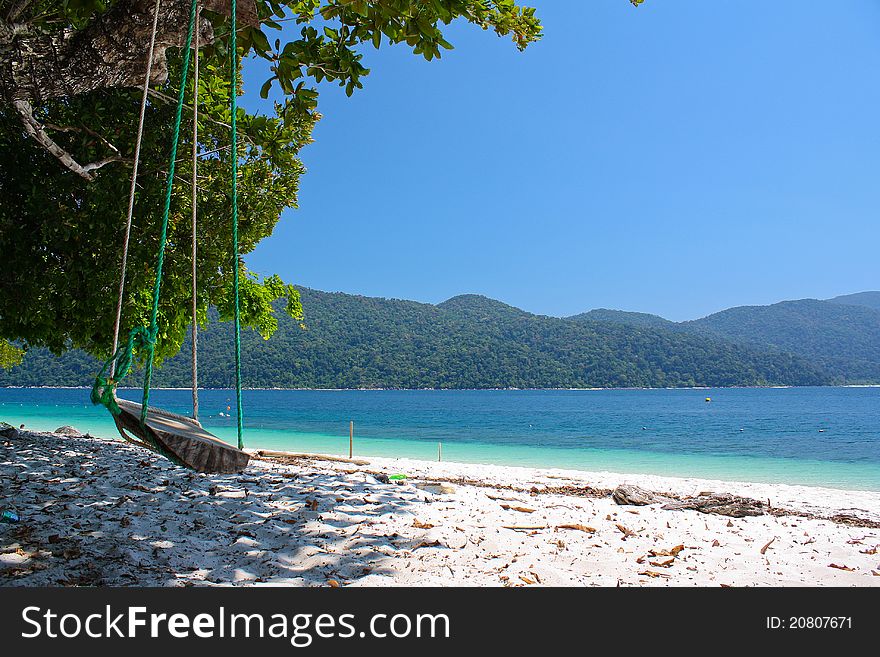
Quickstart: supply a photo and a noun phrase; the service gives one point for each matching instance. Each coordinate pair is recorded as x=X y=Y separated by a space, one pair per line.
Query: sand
x=99 y=512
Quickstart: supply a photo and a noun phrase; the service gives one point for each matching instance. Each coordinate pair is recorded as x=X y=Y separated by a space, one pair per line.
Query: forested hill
x=867 y=299
x=624 y=317
x=840 y=335
x=466 y=342
x=842 y=339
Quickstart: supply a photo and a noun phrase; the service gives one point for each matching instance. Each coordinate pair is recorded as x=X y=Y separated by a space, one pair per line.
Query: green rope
x=233 y=92
x=144 y=338
x=103 y=392
x=166 y=213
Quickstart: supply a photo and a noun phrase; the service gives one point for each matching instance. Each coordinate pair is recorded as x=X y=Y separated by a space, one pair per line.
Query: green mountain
x=468 y=341
x=842 y=339
x=841 y=335
x=867 y=299
x=624 y=317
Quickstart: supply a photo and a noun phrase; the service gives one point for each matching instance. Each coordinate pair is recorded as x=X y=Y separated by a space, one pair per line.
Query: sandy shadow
x=102 y=513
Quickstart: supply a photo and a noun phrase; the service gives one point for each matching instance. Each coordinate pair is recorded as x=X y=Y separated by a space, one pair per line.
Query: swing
x=180 y=439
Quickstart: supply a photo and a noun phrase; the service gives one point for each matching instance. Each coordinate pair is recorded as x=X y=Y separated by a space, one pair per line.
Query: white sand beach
x=99 y=512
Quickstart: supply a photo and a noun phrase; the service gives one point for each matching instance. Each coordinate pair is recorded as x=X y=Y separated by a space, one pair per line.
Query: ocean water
x=813 y=436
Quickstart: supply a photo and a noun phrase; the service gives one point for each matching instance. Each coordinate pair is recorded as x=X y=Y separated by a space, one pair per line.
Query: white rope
x=134 y=173
x=195 y=157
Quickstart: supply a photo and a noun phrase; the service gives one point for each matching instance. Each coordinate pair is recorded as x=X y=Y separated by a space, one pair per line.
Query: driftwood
x=436 y=487
x=633 y=495
x=524 y=528
x=722 y=505
x=292 y=457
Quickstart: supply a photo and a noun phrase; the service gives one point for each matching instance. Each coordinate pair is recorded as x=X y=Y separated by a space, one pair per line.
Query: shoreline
x=99 y=512
x=592 y=443
x=814 y=500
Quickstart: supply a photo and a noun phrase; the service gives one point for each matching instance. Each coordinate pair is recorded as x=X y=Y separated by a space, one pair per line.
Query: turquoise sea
x=813 y=436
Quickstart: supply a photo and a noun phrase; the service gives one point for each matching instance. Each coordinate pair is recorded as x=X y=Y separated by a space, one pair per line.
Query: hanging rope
x=166 y=213
x=195 y=159
x=134 y=174
x=144 y=338
x=233 y=92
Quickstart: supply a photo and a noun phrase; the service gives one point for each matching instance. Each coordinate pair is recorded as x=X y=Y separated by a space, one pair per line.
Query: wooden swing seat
x=182 y=437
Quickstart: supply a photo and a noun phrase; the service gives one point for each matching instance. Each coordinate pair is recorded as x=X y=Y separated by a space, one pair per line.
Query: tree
x=51 y=49
x=10 y=355
x=62 y=236
x=70 y=74
x=68 y=78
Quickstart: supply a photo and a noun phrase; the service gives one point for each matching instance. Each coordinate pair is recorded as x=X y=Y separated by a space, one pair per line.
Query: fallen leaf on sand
x=521 y=509
x=769 y=543
x=651 y=573
x=715 y=543
x=422 y=525
x=312 y=504
x=671 y=552
x=333 y=583
x=834 y=565
x=872 y=550
x=580 y=528
x=428 y=544
x=626 y=531
x=663 y=564
x=526 y=579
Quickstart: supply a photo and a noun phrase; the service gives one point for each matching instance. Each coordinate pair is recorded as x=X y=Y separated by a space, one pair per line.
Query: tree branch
x=88 y=131
x=36 y=130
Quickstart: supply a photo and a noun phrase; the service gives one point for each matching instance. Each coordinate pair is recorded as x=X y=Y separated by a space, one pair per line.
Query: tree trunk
x=111 y=52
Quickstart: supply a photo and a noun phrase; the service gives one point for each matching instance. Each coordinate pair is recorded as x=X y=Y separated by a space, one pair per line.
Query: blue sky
x=678 y=158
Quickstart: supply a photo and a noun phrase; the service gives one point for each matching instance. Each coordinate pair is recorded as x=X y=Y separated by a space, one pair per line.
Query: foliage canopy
x=61 y=234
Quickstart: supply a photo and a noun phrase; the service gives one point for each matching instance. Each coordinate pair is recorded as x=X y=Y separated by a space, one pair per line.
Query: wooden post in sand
x=350 y=439
x=439 y=451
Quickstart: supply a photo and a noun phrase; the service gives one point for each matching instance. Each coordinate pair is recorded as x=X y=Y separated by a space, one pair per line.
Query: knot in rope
x=121 y=364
